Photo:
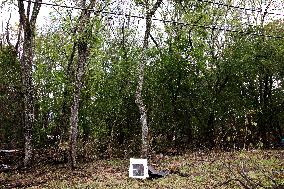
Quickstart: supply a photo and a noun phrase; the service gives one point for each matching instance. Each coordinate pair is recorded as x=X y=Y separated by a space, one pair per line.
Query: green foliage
x=10 y=98
x=204 y=87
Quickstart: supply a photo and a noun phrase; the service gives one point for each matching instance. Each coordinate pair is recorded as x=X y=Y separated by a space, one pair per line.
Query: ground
x=242 y=169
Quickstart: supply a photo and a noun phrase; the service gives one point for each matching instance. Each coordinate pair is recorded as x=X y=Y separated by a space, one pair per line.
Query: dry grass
x=244 y=169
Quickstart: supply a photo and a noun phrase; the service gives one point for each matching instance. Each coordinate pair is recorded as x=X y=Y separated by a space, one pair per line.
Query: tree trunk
x=209 y=138
x=26 y=61
x=83 y=53
x=188 y=128
x=28 y=92
x=65 y=112
x=82 y=59
x=141 y=105
x=141 y=67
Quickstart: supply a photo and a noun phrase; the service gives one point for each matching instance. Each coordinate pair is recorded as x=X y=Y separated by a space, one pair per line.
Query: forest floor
x=242 y=169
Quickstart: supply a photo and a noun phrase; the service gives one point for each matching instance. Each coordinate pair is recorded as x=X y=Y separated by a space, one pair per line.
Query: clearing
x=242 y=169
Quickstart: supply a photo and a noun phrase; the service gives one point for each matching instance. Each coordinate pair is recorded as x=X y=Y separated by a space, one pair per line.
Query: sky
x=44 y=19
x=5 y=12
x=10 y=12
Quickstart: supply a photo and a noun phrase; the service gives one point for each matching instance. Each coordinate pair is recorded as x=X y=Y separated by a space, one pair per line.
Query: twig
x=268 y=176
x=153 y=39
x=241 y=182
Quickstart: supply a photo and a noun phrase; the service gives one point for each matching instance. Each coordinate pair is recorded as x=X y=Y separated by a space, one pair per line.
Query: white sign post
x=138 y=168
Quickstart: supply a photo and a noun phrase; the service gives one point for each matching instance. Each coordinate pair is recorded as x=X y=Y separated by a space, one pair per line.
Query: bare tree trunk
x=82 y=59
x=26 y=61
x=65 y=112
x=141 y=67
x=83 y=53
x=28 y=94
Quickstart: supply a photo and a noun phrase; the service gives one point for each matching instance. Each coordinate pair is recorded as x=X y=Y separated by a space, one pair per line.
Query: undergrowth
x=243 y=169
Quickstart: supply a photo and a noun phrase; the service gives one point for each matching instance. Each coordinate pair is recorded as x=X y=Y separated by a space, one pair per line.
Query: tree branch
x=19 y=38
x=153 y=39
x=23 y=19
x=35 y=12
x=29 y=9
x=7 y=31
x=265 y=12
x=155 y=7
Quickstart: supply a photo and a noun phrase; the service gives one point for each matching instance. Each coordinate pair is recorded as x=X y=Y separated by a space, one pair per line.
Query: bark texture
x=28 y=23
x=83 y=53
x=65 y=112
x=141 y=67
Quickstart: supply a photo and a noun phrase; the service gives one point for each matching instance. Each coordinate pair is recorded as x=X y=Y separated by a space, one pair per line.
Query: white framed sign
x=138 y=168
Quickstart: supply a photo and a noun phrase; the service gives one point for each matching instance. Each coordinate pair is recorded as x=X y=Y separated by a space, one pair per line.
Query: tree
x=84 y=32
x=141 y=67
x=197 y=85
x=28 y=18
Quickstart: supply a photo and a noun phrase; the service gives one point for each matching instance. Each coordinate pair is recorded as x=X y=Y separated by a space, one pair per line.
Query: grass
x=251 y=169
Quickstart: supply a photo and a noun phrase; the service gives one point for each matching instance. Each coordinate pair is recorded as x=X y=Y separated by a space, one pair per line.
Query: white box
x=138 y=168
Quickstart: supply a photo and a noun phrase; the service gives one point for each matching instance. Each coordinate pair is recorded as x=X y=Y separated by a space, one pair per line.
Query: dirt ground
x=242 y=169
